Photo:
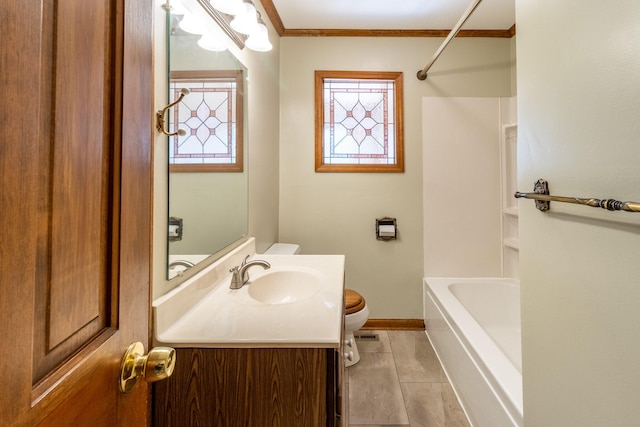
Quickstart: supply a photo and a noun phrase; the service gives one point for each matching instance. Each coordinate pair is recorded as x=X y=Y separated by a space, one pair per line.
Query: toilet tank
x=283 y=249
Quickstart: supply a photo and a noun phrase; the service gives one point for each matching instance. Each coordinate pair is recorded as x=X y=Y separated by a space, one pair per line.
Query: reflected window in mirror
x=212 y=117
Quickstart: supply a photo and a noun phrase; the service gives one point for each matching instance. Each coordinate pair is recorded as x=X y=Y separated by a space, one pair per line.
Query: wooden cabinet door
x=75 y=173
x=249 y=387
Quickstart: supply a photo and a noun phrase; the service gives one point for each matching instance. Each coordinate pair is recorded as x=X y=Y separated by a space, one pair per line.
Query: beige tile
x=368 y=346
x=433 y=405
x=424 y=404
x=399 y=381
x=414 y=357
x=375 y=396
x=453 y=413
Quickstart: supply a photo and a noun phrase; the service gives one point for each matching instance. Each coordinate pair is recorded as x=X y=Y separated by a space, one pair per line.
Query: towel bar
x=542 y=198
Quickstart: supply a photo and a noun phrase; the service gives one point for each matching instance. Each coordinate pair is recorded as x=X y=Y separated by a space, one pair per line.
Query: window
x=211 y=115
x=359 y=121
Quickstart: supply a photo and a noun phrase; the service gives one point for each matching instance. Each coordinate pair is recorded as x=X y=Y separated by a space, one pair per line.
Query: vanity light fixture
x=230 y=7
x=259 y=39
x=251 y=24
x=210 y=42
x=192 y=23
x=247 y=21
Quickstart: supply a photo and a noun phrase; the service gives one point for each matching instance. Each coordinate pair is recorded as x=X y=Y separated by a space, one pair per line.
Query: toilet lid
x=353 y=301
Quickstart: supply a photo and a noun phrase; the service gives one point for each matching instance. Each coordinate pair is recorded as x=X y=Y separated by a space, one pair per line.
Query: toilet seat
x=353 y=301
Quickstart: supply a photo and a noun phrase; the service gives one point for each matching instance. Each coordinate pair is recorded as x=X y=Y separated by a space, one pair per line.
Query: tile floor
x=399 y=382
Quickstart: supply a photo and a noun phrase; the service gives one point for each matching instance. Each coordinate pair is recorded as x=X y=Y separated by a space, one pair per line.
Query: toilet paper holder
x=175 y=229
x=386 y=229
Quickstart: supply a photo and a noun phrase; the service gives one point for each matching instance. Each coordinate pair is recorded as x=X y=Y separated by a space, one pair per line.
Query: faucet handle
x=244 y=262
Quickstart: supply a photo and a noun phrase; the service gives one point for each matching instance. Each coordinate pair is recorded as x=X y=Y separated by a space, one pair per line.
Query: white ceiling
x=394 y=14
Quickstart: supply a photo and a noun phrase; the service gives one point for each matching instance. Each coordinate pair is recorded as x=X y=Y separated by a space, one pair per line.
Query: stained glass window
x=359 y=125
x=211 y=116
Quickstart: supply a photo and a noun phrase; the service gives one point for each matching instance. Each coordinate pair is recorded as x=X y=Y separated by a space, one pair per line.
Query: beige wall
x=336 y=212
x=264 y=115
x=578 y=109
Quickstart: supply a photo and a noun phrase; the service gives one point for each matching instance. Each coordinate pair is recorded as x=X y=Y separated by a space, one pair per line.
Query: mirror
x=207 y=170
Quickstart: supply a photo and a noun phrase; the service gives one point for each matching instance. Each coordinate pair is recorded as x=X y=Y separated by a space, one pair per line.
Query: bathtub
x=474 y=327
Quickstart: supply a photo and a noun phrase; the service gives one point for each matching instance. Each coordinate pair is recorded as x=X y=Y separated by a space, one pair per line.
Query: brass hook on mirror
x=160 y=115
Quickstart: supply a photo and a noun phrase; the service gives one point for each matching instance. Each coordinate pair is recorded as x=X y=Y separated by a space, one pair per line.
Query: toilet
x=283 y=249
x=356 y=315
x=356 y=310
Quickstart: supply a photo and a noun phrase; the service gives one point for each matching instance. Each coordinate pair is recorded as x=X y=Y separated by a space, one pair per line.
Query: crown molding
x=276 y=21
x=393 y=33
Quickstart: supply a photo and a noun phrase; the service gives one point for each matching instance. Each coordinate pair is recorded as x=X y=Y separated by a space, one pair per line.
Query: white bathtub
x=474 y=327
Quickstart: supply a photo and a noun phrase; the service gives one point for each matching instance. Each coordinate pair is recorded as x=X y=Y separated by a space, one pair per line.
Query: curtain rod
x=422 y=74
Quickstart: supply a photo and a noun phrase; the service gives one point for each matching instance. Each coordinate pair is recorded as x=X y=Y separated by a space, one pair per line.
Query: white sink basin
x=284 y=286
x=298 y=302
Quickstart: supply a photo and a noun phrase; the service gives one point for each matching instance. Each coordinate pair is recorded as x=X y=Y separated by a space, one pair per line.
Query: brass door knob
x=155 y=366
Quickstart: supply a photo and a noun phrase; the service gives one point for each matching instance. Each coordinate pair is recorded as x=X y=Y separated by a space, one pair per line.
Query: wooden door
x=75 y=194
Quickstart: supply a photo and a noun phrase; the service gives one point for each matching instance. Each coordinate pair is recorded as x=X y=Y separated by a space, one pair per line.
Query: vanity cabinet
x=252 y=387
x=242 y=361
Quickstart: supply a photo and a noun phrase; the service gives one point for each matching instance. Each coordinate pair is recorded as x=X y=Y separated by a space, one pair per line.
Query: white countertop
x=204 y=312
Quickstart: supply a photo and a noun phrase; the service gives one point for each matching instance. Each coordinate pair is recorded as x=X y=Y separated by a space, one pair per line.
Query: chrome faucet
x=240 y=277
